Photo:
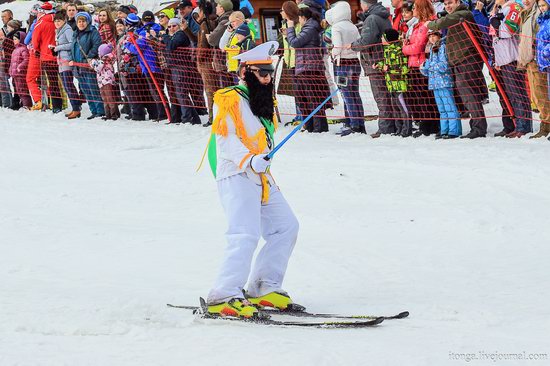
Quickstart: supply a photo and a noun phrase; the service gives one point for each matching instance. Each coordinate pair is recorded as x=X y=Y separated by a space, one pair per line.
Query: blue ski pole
x=297 y=128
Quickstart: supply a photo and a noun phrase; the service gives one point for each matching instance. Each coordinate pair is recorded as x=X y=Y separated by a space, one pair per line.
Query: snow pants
x=248 y=220
x=386 y=122
x=20 y=85
x=33 y=75
x=403 y=123
x=448 y=112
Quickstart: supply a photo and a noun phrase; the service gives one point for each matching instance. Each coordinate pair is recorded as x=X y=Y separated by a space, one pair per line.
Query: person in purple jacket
x=18 y=69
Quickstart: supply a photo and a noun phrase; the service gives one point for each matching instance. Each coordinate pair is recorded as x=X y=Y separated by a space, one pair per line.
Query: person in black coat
x=312 y=85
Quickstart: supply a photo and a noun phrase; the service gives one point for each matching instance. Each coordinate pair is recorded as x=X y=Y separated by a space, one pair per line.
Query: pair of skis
x=342 y=321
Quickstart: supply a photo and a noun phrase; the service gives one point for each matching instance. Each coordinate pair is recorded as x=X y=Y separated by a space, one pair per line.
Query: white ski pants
x=248 y=220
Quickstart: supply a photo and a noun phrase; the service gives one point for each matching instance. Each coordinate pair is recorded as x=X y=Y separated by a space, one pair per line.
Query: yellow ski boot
x=238 y=308
x=37 y=106
x=276 y=300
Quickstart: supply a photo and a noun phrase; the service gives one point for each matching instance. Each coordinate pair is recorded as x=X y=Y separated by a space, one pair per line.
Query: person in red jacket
x=42 y=60
x=397 y=18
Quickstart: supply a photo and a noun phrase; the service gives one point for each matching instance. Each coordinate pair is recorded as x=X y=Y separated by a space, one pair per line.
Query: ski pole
x=297 y=128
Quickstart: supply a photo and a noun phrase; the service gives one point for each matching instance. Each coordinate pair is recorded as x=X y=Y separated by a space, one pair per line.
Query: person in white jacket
x=347 y=67
x=242 y=136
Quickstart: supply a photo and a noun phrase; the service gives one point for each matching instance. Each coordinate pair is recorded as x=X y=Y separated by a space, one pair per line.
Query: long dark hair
x=110 y=21
x=308 y=14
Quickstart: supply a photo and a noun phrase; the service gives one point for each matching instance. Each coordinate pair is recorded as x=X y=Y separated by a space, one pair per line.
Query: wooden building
x=268 y=18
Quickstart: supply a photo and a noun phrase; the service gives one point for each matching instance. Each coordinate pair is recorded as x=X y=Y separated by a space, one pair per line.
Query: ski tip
x=378 y=320
x=402 y=315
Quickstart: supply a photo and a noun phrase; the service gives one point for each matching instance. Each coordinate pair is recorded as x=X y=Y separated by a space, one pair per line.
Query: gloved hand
x=496 y=20
x=259 y=164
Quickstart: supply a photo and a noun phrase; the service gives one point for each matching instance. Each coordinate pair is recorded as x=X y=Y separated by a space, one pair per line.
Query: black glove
x=496 y=20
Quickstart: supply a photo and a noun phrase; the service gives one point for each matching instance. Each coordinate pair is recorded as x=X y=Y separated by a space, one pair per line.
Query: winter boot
x=73 y=115
x=503 y=133
x=237 y=308
x=543 y=132
x=37 y=106
x=278 y=300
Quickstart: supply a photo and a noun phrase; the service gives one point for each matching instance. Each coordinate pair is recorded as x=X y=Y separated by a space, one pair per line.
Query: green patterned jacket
x=396 y=74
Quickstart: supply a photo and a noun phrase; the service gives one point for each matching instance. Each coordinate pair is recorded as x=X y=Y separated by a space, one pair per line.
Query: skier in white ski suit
x=242 y=135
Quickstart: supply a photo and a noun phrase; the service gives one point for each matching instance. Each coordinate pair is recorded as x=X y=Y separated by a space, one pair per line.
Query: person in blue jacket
x=440 y=80
x=86 y=42
x=148 y=43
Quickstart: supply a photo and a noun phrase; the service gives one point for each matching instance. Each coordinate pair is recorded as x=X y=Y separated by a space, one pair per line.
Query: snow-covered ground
x=102 y=224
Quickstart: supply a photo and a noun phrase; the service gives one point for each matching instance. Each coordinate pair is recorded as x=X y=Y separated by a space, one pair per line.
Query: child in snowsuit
x=18 y=69
x=105 y=69
x=440 y=80
x=395 y=70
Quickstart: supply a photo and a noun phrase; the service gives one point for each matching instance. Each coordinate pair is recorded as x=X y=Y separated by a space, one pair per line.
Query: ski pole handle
x=297 y=128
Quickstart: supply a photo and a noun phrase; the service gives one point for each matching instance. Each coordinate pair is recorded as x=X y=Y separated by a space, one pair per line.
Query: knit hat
x=46 y=7
x=148 y=16
x=184 y=4
x=105 y=49
x=133 y=8
x=246 y=12
x=391 y=35
x=125 y=9
x=83 y=14
x=243 y=30
x=169 y=12
x=15 y=24
x=174 y=21
x=132 y=20
x=20 y=35
x=227 y=5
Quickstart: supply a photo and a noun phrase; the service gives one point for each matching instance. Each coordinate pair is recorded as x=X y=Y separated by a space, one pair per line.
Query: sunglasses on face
x=261 y=73
x=173 y=26
x=161 y=16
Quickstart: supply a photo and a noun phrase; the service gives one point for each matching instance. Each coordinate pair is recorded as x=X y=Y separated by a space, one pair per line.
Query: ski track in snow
x=103 y=223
